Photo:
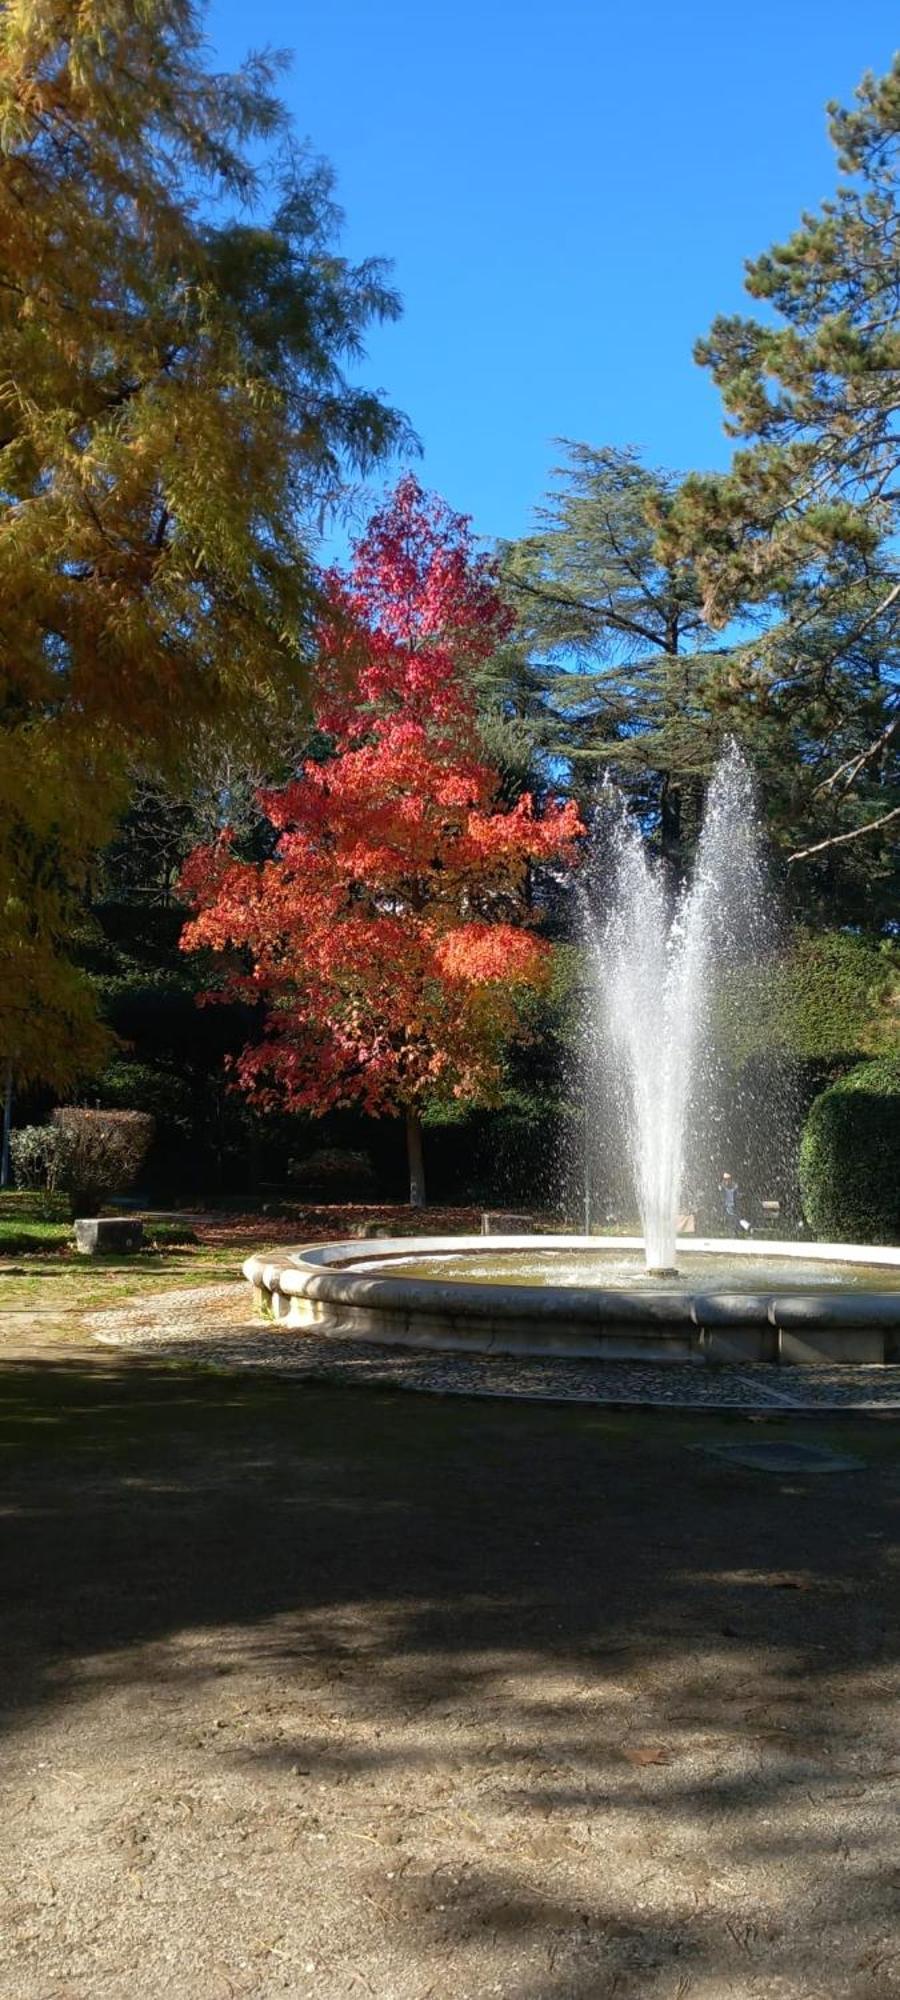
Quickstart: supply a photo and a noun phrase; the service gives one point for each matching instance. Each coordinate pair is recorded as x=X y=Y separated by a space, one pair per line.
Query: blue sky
x=568 y=192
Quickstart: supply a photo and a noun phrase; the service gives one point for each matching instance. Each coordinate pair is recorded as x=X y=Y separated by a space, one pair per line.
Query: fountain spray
x=655 y=960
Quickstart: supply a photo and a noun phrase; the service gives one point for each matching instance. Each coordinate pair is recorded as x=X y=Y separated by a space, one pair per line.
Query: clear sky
x=568 y=192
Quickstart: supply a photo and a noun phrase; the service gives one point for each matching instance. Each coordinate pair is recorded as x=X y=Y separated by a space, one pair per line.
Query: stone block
x=96 y=1233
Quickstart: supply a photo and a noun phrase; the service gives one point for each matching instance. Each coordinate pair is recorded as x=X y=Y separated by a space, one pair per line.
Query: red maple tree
x=389 y=935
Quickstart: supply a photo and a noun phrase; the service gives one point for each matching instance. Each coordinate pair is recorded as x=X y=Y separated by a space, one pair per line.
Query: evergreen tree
x=615 y=655
x=804 y=526
x=617 y=668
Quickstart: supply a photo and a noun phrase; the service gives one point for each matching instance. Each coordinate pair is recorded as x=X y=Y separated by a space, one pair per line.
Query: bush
x=827 y=996
x=850 y=1157
x=34 y=1151
x=333 y=1173
x=159 y=1089
x=100 y=1153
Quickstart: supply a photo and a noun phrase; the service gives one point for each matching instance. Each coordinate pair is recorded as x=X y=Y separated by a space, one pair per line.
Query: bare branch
x=839 y=839
x=851 y=770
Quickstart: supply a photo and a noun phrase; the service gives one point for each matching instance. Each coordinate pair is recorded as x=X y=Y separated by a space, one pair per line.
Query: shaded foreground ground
x=313 y=1692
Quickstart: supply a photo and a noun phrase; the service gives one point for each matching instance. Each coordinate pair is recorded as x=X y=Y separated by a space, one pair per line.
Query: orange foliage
x=389 y=936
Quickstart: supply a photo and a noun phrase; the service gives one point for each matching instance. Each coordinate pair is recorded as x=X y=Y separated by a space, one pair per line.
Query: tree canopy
x=803 y=528
x=175 y=331
x=180 y=408
x=614 y=648
x=390 y=934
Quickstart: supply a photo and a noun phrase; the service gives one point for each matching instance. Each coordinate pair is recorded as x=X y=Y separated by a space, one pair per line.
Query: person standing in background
x=730 y=1199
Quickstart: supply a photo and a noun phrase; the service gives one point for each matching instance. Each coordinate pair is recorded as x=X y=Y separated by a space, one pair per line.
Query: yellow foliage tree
x=174 y=329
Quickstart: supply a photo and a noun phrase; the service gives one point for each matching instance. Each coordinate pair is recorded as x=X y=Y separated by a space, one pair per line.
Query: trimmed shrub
x=826 y=996
x=850 y=1157
x=34 y=1151
x=333 y=1173
x=100 y=1154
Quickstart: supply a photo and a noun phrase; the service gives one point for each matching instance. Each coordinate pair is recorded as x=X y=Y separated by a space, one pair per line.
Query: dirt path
x=320 y=1693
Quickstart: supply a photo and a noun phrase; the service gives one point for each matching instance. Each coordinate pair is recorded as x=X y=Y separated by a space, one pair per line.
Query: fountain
x=656 y=953
x=655 y=959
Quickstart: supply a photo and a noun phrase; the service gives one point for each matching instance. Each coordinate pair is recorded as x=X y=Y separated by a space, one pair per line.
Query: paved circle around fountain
x=210 y=1326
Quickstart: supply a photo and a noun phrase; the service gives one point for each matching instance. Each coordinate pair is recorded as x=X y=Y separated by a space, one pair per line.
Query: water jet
x=656 y=957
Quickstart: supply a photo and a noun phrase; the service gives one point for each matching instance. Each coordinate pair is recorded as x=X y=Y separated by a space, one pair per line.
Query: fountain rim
x=740 y=1246
x=316 y=1284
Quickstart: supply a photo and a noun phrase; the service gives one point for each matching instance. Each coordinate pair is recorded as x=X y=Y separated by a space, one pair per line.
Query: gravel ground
x=212 y=1325
x=316 y=1693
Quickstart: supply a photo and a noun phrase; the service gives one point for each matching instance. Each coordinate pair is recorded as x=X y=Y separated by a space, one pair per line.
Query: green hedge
x=826 y=996
x=850 y=1157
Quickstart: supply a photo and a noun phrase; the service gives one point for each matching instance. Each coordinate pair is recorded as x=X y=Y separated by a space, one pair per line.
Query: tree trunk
x=254 y=1155
x=670 y=823
x=416 y=1160
x=7 y=1127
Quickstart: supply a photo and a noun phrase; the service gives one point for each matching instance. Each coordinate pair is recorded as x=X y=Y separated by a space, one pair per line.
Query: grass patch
x=31 y=1220
x=36 y=1224
x=33 y=1205
x=22 y=1239
x=62 y=1284
x=170 y=1235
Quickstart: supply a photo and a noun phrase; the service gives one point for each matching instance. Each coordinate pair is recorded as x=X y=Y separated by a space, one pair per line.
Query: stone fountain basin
x=352 y=1288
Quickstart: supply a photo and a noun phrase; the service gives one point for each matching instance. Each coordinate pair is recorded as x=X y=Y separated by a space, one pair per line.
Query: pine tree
x=804 y=526
x=615 y=655
x=617 y=666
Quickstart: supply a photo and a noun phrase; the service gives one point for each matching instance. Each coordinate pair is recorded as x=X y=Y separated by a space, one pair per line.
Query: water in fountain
x=656 y=957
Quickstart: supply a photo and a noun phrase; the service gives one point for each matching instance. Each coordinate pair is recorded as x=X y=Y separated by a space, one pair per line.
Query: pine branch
x=602 y=612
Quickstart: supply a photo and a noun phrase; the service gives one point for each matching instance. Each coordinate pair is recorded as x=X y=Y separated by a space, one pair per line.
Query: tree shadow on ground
x=657 y=1688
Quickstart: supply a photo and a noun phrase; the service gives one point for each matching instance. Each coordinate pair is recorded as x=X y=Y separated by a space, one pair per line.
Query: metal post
x=586 y=1155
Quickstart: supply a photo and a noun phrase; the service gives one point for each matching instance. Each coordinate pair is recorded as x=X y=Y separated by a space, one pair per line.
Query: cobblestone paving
x=211 y=1326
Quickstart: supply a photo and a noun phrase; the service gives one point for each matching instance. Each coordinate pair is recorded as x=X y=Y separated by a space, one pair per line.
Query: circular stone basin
x=567 y=1295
